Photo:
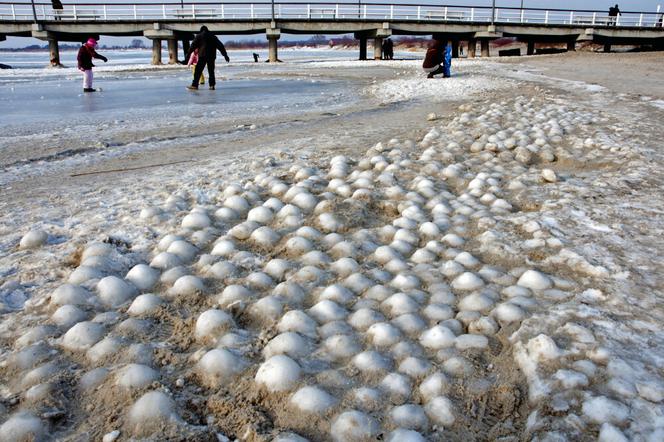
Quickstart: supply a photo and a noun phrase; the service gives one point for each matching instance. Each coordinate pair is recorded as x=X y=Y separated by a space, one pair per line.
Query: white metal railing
x=186 y=11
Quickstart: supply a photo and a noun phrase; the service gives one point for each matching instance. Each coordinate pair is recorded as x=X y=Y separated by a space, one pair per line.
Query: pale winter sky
x=600 y=5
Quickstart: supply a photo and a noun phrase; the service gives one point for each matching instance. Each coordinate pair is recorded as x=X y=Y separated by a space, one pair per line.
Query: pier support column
x=484 y=43
x=455 y=48
x=156 y=51
x=607 y=47
x=571 y=45
x=54 y=52
x=172 y=51
x=185 y=48
x=472 y=48
x=531 y=47
x=363 y=48
x=273 y=35
x=378 y=48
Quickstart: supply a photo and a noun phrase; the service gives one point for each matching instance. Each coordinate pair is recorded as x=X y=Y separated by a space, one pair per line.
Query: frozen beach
x=334 y=250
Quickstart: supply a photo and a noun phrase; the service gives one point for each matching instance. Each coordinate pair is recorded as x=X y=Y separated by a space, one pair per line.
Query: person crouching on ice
x=438 y=59
x=193 y=61
x=85 y=56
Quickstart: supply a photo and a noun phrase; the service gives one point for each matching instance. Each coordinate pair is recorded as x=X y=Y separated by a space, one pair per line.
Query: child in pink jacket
x=193 y=61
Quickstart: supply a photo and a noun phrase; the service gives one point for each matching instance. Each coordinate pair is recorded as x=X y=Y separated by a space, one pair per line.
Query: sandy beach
x=398 y=259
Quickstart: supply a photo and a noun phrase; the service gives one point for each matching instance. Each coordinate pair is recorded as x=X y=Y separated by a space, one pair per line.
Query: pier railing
x=359 y=11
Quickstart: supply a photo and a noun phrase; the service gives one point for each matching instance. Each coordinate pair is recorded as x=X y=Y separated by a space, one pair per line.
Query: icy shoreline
x=388 y=292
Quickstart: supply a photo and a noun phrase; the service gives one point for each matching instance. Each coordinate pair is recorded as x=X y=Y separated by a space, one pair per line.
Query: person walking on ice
x=193 y=61
x=85 y=55
x=207 y=44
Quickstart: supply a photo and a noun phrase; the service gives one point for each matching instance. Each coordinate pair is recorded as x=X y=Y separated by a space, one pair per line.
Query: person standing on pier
x=207 y=44
x=614 y=12
x=57 y=9
x=85 y=55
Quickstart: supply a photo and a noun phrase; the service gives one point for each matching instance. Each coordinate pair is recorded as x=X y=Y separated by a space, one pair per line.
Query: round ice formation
x=476 y=302
x=171 y=275
x=289 y=437
x=33 y=239
x=326 y=311
x=262 y=215
x=437 y=337
x=542 y=348
x=312 y=400
x=305 y=201
x=104 y=348
x=289 y=292
x=434 y=386
x=465 y=342
x=268 y=308
x=341 y=346
x=277 y=268
x=135 y=376
x=610 y=433
x=69 y=294
x=406 y=282
x=279 y=373
x=82 y=336
x=384 y=334
x=409 y=416
x=402 y=435
x=165 y=260
x=398 y=386
x=142 y=276
x=299 y=245
x=237 y=203
x=265 y=237
x=363 y=318
x=183 y=250
x=352 y=426
x=289 y=343
x=22 y=426
x=414 y=367
x=399 y=304
x=114 y=291
x=467 y=281
x=68 y=315
x=218 y=367
x=233 y=293
x=144 y=305
x=508 y=312
x=83 y=274
x=187 y=285
x=441 y=411
x=601 y=409
x=337 y=293
x=224 y=247
x=223 y=269
x=211 y=323
x=371 y=361
x=329 y=222
x=243 y=230
x=196 y=221
x=298 y=321
x=535 y=280
x=152 y=411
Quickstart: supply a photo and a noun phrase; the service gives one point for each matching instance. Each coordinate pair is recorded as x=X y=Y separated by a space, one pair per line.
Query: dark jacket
x=435 y=54
x=207 y=44
x=57 y=4
x=85 y=56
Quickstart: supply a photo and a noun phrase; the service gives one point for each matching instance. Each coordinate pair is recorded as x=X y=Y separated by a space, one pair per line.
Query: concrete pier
x=484 y=43
x=472 y=48
x=186 y=45
x=272 y=37
x=172 y=51
x=378 y=48
x=54 y=52
x=156 y=51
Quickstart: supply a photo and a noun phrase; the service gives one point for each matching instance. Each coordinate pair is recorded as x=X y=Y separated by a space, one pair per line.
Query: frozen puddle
x=382 y=297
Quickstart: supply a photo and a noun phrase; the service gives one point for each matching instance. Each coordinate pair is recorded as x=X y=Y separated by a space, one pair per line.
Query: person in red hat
x=85 y=55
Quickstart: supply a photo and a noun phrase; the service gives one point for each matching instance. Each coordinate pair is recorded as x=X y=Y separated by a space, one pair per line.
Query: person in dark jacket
x=207 y=44
x=614 y=12
x=388 y=49
x=438 y=58
x=85 y=55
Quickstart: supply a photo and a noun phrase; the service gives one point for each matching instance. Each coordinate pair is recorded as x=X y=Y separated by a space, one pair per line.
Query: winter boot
x=89 y=89
x=192 y=87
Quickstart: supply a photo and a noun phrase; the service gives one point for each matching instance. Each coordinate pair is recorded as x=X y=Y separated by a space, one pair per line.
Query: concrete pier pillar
x=172 y=51
x=378 y=48
x=185 y=47
x=472 y=48
x=273 y=35
x=607 y=47
x=363 y=48
x=484 y=43
x=54 y=52
x=156 y=51
x=531 y=47
x=455 y=48
x=571 y=45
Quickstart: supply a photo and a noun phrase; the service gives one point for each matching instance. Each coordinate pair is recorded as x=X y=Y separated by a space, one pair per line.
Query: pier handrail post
x=365 y=12
x=251 y=8
x=336 y=11
x=391 y=12
x=163 y=10
x=135 y=14
x=522 y=14
x=34 y=11
x=493 y=11
x=222 y=11
x=418 y=12
x=105 y=14
x=640 y=19
x=74 y=12
x=594 y=17
x=13 y=12
x=43 y=9
x=571 y=17
x=272 y=10
x=445 y=13
x=546 y=17
x=472 y=14
x=308 y=11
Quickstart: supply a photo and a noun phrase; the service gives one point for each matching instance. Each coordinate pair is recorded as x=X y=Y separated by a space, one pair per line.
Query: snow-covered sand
x=490 y=272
